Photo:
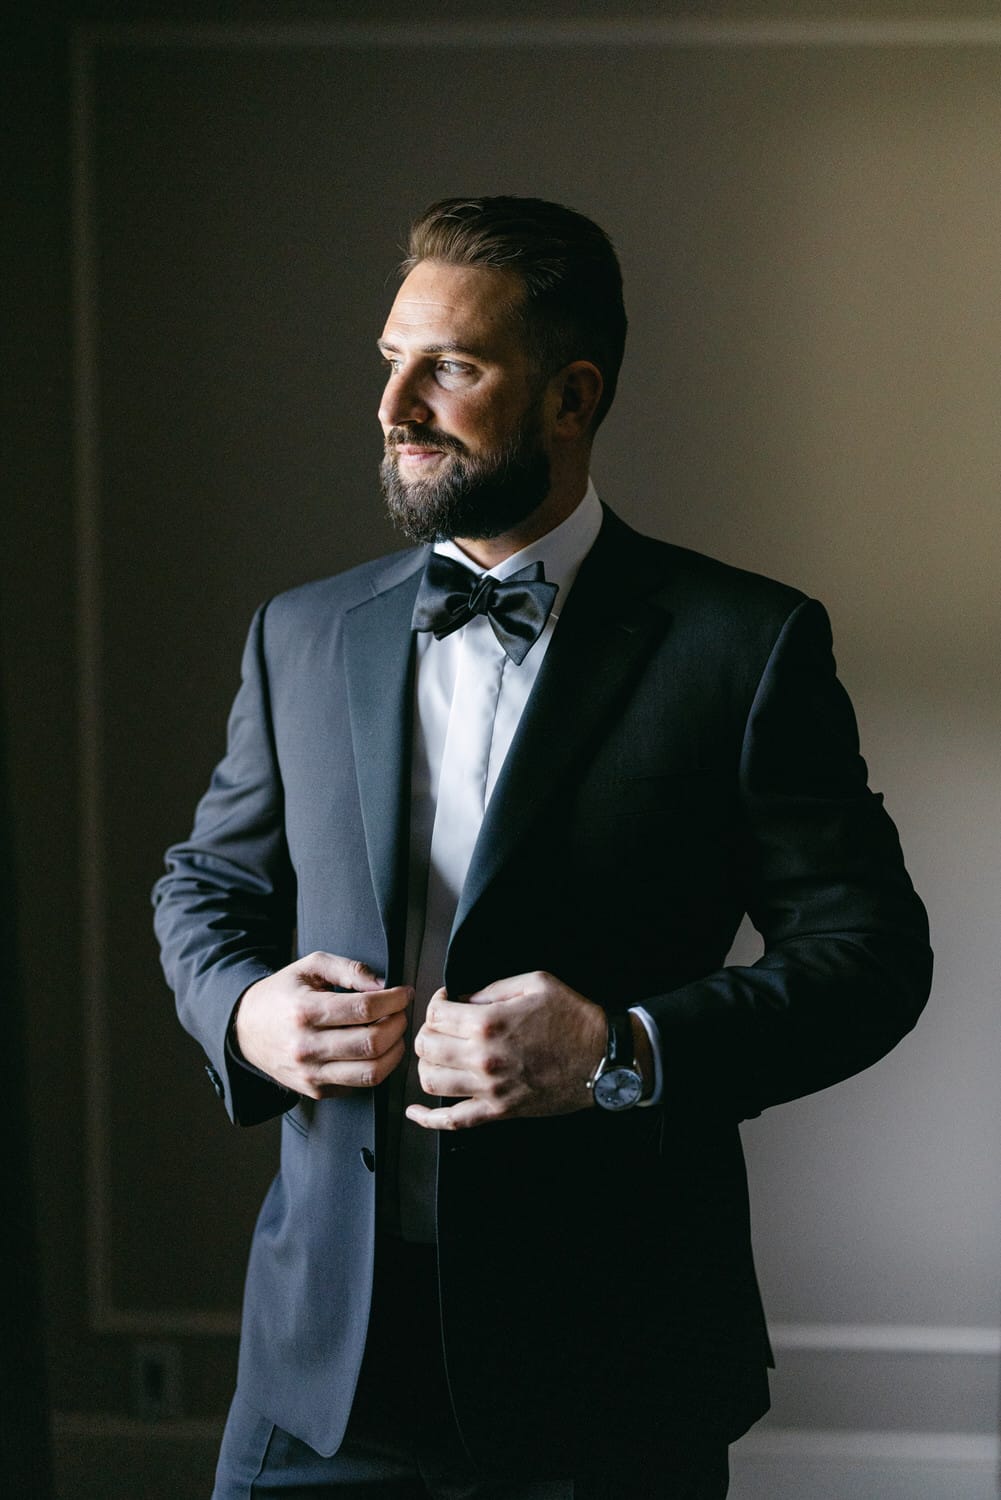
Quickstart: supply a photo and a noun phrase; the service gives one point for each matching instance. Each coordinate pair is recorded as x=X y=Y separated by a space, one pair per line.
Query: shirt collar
x=561 y=551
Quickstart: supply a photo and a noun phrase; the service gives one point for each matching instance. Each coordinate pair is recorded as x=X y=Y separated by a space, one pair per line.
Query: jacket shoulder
x=325 y=599
x=706 y=584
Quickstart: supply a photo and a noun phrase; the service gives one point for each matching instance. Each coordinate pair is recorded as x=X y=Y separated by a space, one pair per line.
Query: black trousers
x=402 y=1441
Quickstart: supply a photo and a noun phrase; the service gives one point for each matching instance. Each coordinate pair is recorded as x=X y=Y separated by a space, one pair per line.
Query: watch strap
x=620 y=1051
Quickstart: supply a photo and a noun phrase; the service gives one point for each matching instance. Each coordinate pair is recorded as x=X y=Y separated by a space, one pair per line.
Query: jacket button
x=368 y=1157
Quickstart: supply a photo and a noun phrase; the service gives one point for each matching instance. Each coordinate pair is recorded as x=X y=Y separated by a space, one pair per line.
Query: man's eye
x=453 y=372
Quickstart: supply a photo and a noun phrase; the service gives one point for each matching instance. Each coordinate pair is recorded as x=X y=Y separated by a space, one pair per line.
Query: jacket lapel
x=378 y=667
x=612 y=620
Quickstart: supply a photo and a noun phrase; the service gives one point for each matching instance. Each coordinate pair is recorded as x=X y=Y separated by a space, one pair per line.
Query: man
x=511 y=797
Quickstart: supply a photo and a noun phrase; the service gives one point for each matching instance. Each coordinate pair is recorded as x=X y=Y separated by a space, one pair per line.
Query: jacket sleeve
x=846 y=966
x=225 y=909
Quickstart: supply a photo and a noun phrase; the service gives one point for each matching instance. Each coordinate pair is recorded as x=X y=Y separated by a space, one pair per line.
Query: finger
x=511 y=988
x=452 y=1017
x=359 y=1008
x=450 y=1083
x=367 y=1074
x=462 y=1116
x=356 y=1043
x=444 y=1050
x=324 y=969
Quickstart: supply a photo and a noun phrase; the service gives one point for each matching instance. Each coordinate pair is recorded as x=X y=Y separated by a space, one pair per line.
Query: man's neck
x=561 y=502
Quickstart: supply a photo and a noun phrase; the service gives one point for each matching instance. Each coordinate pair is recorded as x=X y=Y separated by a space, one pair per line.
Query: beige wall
x=810 y=240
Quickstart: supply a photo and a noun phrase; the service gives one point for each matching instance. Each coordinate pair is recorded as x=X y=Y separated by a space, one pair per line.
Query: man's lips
x=415 y=456
x=419 y=445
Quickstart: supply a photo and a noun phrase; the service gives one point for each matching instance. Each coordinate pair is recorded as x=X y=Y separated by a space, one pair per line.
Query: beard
x=474 y=497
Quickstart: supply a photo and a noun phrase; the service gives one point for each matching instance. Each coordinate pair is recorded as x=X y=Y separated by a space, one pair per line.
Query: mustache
x=424 y=437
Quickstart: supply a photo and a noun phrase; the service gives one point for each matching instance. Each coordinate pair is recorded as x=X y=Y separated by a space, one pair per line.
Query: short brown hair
x=573 y=306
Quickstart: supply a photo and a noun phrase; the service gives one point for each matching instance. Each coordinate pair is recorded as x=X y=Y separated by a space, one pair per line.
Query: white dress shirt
x=469 y=701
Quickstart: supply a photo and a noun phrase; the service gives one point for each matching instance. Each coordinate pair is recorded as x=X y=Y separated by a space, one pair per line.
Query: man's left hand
x=521 y=1046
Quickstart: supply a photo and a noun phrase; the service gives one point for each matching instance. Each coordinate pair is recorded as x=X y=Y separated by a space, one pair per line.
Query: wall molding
x=86 y=468
x=762 y=1441
x=886 y=1338
x=815 y=1338
x=979 y=1449
x=624 y=31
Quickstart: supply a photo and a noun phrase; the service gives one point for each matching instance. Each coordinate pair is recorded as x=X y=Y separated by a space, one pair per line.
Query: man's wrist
x=233 y=1047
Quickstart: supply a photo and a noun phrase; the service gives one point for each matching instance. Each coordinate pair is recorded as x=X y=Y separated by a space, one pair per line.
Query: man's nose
x=402 y=401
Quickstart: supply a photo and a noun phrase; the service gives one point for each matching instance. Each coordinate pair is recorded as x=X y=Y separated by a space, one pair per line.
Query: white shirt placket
x=462 y=795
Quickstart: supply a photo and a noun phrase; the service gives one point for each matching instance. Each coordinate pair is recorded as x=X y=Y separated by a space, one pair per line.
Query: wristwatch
x=617 y=1082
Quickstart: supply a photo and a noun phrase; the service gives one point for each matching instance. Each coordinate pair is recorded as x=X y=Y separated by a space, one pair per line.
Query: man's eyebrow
x=467 y=349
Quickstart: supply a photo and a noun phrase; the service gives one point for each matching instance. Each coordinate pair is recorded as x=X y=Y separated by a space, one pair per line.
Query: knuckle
x=358 y=1009
x=492 y=1026
x=371 y=1042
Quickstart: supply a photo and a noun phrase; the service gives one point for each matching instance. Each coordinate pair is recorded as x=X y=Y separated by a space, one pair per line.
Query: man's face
x=462 y=411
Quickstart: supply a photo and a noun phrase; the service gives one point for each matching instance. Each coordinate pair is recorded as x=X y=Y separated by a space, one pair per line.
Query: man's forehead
x=446 y=305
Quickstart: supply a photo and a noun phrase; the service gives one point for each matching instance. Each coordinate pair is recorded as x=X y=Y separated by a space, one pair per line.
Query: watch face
x=618 y=1088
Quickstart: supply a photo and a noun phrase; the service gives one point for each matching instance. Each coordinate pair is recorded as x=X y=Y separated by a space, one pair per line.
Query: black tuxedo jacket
x=687 y=755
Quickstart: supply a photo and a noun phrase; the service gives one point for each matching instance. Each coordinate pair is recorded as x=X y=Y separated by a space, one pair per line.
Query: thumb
x=332 y=971
x=511 y=988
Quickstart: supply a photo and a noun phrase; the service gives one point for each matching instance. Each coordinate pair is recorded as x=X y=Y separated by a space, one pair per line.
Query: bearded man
x=509 y=794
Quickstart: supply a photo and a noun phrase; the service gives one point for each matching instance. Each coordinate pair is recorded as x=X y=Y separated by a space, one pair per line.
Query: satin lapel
x=378 y=667
x=595 y=655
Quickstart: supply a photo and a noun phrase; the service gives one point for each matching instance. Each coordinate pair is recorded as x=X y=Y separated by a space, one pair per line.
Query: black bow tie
x=517 y=608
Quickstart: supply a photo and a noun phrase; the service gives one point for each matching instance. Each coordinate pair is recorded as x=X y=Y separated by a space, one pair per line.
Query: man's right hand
x=298 y=1029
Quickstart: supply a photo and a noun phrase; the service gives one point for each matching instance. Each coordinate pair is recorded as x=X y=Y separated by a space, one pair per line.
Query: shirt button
x=368 y=1157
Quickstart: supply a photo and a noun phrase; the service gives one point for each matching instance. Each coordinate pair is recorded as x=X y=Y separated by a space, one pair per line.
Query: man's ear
x=580 y=388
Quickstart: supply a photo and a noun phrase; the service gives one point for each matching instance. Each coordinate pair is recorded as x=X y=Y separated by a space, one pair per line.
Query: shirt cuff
x=650 y=1027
